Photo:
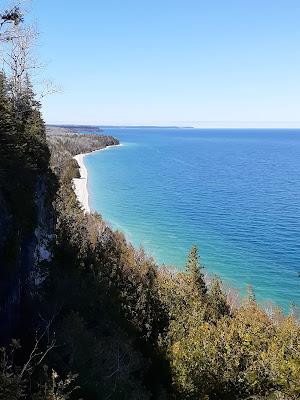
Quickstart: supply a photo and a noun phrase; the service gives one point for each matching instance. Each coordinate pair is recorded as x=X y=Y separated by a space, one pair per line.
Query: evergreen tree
x=8 y=139
x=218 y=306
x=6 y=112
x=194 y=270
x=5 y=107
x=27 y=101
x=32 y=126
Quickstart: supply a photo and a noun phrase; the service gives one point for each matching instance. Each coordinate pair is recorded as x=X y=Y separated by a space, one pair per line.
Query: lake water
x=234 y=193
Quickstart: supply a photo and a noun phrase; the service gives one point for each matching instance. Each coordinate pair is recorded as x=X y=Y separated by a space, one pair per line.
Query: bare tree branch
x=36 y=356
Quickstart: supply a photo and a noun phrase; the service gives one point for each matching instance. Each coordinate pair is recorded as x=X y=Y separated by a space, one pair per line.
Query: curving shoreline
x=80 y=185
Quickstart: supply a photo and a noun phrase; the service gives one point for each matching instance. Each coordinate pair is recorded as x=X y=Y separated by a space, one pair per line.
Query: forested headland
x=85 y=315
x=64 y=143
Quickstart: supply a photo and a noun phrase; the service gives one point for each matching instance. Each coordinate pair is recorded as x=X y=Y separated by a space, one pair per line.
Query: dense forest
x=65 y=143
x=85 y=315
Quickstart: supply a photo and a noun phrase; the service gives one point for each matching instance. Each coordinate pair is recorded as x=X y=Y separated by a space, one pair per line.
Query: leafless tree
x=18 y=60
x=16 y=380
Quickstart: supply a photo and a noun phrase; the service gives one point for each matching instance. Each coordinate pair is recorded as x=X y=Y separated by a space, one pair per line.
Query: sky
x=203 y=63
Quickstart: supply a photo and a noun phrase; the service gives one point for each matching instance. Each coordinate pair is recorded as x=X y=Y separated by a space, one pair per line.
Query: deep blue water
x=234 y=193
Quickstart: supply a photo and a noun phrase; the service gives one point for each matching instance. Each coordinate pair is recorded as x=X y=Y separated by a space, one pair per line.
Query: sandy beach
x=81 y=184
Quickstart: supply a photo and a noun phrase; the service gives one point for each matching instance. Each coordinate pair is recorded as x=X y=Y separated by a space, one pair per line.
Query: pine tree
x=33 y=126
x=218 y=306
x=194 y=270
x=5 y=108
x=7 y=131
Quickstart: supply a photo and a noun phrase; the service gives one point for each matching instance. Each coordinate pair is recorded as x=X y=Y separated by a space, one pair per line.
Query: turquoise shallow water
x=234 y=193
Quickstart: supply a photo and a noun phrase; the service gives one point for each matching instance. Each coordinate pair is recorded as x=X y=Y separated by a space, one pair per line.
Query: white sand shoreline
x=80 y=185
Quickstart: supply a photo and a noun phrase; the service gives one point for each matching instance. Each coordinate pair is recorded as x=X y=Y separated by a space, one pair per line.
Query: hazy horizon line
x=191 y=124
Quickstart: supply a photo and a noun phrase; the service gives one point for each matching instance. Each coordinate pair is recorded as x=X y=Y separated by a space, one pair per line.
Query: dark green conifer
x=7 y=130
x=194 y=269
x=218 y=306
x=5 y=107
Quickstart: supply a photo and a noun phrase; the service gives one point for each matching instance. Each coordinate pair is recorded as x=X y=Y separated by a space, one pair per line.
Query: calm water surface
x=234 y=193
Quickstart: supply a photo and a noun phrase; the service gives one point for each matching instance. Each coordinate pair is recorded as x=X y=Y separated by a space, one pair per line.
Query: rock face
x=27 y=219
x=21 y=254
x=9 y=281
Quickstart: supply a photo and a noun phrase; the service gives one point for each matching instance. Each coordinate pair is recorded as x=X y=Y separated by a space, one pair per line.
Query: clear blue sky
x=181 y=62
